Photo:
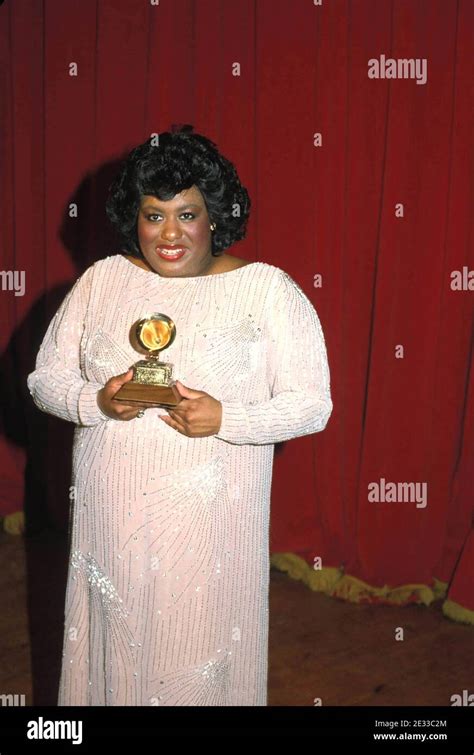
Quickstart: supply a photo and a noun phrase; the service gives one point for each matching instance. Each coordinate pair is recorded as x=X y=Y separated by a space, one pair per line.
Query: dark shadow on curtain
x=47 y=440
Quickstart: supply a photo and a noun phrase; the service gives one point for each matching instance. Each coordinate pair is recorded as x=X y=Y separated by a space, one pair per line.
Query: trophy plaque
x=151 y=382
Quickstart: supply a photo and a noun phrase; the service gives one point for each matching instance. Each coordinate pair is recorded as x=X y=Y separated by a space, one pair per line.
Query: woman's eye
x=189 y=214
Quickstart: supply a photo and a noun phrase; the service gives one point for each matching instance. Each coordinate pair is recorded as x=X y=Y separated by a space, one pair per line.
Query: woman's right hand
x=116 y=409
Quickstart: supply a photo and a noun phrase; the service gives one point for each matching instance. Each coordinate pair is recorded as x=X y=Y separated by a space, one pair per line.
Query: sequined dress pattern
x=168 y=577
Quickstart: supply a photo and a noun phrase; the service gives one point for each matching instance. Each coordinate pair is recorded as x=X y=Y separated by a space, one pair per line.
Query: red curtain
x=380 y=207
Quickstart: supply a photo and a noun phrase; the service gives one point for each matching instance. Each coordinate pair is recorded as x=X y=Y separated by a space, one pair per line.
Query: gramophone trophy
x=151 y=382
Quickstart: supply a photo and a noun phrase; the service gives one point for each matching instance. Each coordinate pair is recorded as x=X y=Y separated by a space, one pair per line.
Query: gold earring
x=212 y=226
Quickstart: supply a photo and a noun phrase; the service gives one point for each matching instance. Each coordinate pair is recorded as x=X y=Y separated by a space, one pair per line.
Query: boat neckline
x=140 y=269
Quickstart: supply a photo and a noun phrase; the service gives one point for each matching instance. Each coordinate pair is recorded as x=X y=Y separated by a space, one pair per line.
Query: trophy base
x=153 y=395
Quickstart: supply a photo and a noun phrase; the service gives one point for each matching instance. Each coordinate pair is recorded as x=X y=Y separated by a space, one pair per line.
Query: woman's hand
x=116 y=409
x=197 y=415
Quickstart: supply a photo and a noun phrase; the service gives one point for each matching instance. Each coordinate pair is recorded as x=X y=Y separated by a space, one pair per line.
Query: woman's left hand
x=197 y=415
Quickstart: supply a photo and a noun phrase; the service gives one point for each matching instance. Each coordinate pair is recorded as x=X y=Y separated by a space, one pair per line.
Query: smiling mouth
x=171 y=254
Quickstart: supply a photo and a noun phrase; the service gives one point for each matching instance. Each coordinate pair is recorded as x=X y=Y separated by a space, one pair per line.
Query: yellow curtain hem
x=334 y=582
x=457 y=612
x=13 y=524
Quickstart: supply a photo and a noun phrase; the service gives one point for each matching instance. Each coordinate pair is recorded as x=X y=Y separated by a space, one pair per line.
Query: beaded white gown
x=168 y=579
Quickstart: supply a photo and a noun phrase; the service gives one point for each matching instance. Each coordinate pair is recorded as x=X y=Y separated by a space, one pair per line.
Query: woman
x=167 y=593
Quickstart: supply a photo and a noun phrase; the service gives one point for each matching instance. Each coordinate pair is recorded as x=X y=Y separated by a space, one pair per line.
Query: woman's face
x=179 y=226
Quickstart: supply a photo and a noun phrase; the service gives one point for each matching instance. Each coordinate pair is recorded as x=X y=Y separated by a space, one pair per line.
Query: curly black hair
x=165 y=166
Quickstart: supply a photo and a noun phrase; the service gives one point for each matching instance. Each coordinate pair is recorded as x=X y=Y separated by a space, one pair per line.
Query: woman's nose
x=170 y=230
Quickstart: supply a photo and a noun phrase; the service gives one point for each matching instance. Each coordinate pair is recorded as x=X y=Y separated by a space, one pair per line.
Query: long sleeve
x=57 y=385
x=299 y=376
